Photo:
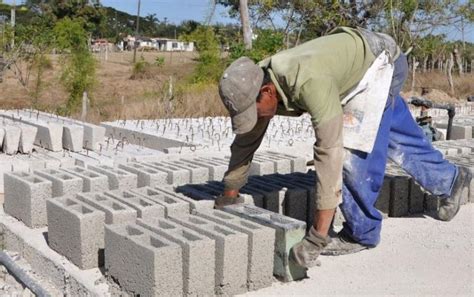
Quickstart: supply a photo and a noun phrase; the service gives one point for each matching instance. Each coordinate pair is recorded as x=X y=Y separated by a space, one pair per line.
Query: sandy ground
x=418 y=256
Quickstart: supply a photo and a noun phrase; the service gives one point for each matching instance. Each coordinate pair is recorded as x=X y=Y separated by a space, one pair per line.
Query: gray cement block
x=91 y=181
x=172 y=205
x=431 y=203
x=399 y=193
x=93 y=136
x=216 y=171
x=49 y=135
x=298 y=164
x=288 y=233
x=196 y=205
x=461 y=132
x=118 y=178
x=64 y=184
x=197 y=174
x=261 y=246
x=258 y=198
x=147 y=176
x=261 y=167
x=115 y=211
x=147 y=209
x=416 y=199
x=73 y=137
x=274 y=195
x=383 y=201
x=282 y=165
x=25 y=197
x=143 y=263
x=11 y=142
x=76 y=231
x=231 y=253
x=27 y=138
x=176 y=175
x=198 y=256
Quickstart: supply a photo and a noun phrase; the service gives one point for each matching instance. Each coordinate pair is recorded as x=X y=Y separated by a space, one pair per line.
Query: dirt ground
x=418 y=256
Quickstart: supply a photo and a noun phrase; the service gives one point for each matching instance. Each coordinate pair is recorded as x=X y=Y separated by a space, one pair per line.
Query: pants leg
x=409 y=148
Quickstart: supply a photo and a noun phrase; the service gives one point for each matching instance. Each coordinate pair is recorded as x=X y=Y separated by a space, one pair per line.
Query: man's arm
x=242 y=151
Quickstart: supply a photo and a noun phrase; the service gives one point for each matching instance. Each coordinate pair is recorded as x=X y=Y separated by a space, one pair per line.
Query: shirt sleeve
x=242 y=151
x=321 y=97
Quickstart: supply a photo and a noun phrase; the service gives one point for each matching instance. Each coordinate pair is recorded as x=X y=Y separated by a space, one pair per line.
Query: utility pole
x=12 y=19
x=244 y=17
x=136 y=33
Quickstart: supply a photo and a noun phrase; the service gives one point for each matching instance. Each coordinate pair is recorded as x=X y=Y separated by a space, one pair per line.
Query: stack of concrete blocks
x=25 y=197
x=455 y=147
x=93 y=134
x=64 y=183
x=16 y=137
x=147 y=176
x=172 y=205
x=118 y=178
x=462 y=127
x=147 y=209
x=288 y=232
x=91 y=181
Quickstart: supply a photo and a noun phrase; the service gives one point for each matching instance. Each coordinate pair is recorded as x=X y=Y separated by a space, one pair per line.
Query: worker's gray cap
x=239 y=87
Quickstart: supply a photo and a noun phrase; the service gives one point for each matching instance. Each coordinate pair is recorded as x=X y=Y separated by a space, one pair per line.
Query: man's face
x=267 y=101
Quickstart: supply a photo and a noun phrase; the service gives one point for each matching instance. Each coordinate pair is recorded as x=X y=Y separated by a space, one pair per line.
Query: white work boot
x=449 y=207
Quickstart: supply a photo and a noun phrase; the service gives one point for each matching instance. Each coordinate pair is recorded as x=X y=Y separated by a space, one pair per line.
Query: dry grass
x=148 y=97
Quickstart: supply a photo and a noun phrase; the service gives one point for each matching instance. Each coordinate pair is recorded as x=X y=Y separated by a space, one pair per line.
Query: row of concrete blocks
x=455 y=147
x=402 y=195
x=459 y=130
x=167 y=254
x=16 y=138
x=56 y=134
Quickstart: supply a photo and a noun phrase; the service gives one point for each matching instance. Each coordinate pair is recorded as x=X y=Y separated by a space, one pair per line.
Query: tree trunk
x=414 y=64
x=457 y=58
x=472 y=65
x=450 y=76
x=244 y=17
x=425 y=63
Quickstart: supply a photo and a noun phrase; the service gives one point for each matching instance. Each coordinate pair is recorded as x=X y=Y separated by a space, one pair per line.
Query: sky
x=177 y=11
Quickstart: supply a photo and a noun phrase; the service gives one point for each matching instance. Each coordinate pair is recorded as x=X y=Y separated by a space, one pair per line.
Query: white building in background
x=160 y=44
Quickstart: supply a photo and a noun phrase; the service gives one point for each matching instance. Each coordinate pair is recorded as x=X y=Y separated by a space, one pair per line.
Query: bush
x=267 y=43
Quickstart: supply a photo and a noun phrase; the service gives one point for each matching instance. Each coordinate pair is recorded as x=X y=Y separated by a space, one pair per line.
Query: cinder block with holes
x=198 y=255
x=288 y=233
x=64 y=184
x=176 y=175
x=261 y=246
x=399 y=193
x=172 y=205
x=142 y=262
x=115 y=211
x=298 y=164
x=416 y=198
x=147 y=209
x=118 y=178
x=76 y=231
x=197 y=174
x=147 y=176
x=25 y=197
x=193 y=204
x=231 y=253
x=92 y=181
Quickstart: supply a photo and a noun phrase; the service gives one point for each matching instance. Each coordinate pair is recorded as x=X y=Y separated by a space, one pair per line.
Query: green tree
x=78 y=72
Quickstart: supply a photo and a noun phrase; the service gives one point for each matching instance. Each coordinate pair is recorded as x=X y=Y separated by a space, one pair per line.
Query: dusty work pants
x=402 y=140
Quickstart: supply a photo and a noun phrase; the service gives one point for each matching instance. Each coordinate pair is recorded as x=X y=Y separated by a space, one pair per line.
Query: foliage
x=267 y=43
x=210 y=65
x=78 y=73
x=159 y=61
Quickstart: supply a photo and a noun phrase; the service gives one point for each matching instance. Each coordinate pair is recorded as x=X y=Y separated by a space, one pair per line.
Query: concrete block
x=25 y=197
x=197 y=205
x=115 y=211
x=416 y=198
x=147 y=176
x=399 y=193
x=271 y=197
x=147 y=209
x=143 y=263
x=431 y=203
x=73 y=137
x=258 y=198
x=461 y=132
x=93 y=136
x=49 y=135
x=383 y=201
x=63 y=182
x=27 y=138
x=91 y=181
x=298 y=164
x=261 y=246
x=172 y=205
x=118 y=178
x=11 y=142
x=197 y=173
x=288 y=232
x=281 y=165
x=261 y=167
x=216 y=171
x=176 y=175
x=198 y=256
x=76 y=231
x=274 y=197
x=231 y=253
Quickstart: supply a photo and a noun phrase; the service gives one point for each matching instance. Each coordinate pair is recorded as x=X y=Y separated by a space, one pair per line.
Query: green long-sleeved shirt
x=313 y=77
